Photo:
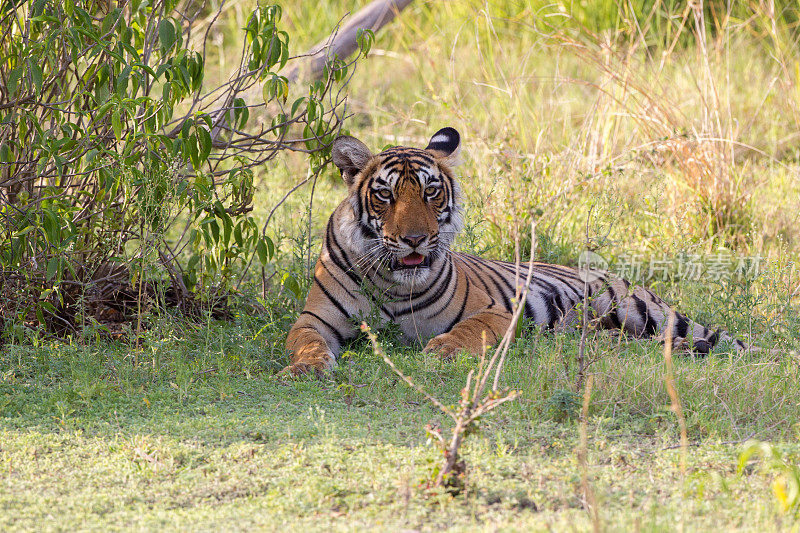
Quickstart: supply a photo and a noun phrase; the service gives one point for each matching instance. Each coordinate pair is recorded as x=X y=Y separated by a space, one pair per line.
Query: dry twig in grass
x=475 y=401
x=583 y=361
x=473 y=405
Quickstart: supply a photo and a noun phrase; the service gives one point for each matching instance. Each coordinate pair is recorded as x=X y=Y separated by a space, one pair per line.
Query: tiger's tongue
x=412 y=259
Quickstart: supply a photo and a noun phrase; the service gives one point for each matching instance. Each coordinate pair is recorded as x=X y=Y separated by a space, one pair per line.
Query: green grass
x=194 y=430
x=199 y=433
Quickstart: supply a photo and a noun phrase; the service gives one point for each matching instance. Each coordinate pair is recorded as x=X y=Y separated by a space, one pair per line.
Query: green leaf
x=240 y=112
x=311 y=111
x=204 y=140
x=5 y=153
x=121 y=83
x=214 y=230
x=206 y=118
x=110 y=20
x=13 y=80
x=279 y=123
x=365 y=39
x=166 y=34
x=147 y=69
x=186 y=77
x=197 y=74
x=277 y=87
x=116 y=123
x=227 y=228
x=274 y=50
x=219 y=209
x=102 y=111
x=53 y=267
x=193 y=152
x=291 y=284
x=162 y=68
x=38 y=8
x=186 y=129
x=284 y=50
x=51 y=226
x=274 y=14
x=255 y=57
x=261 y=250
x=296 y=105
x=207 y=237
x=24 y=231
x=270 y=247
x=36 y=76
x=237 y=235
x=252 y=27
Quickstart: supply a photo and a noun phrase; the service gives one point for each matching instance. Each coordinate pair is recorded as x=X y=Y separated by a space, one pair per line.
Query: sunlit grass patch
x=266 y=452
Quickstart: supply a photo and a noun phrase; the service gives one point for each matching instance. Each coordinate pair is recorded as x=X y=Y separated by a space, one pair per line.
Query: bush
x=115 y=156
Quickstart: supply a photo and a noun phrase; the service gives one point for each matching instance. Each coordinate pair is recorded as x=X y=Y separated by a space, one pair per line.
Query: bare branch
x=372 y=17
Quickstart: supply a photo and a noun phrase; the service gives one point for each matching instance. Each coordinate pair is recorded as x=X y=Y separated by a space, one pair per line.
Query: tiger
x=387 y=250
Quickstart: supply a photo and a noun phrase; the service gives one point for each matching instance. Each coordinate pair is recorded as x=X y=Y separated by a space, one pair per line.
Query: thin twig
x=379 y=350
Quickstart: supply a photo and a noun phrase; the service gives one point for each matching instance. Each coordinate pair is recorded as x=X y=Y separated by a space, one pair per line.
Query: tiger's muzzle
x=412 y=260
x=414 y=252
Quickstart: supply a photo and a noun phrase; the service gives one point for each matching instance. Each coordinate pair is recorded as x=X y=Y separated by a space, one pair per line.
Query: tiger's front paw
x=300 y=369
x=311 y=359
x=445 y=346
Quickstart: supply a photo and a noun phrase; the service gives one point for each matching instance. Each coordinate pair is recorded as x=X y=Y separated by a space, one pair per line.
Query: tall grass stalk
x=675 y=401
x=583 y=455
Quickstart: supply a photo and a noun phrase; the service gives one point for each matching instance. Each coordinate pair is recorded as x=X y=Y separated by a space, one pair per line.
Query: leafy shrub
x=115 y=155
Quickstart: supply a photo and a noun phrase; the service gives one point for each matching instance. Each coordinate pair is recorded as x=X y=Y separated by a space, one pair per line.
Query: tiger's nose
x=413 y=240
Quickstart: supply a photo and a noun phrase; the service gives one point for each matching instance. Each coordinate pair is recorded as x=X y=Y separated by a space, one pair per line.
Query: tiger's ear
x=350 y=155
x=445 y=145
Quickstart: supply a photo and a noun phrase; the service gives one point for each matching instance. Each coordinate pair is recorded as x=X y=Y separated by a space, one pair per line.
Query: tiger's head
x=406 y=204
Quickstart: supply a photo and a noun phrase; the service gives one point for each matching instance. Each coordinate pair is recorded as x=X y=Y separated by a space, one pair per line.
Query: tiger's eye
x=383 y=194
x=431 y=191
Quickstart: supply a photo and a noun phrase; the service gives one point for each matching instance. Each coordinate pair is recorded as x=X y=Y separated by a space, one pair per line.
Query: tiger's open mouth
x=412 y=260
